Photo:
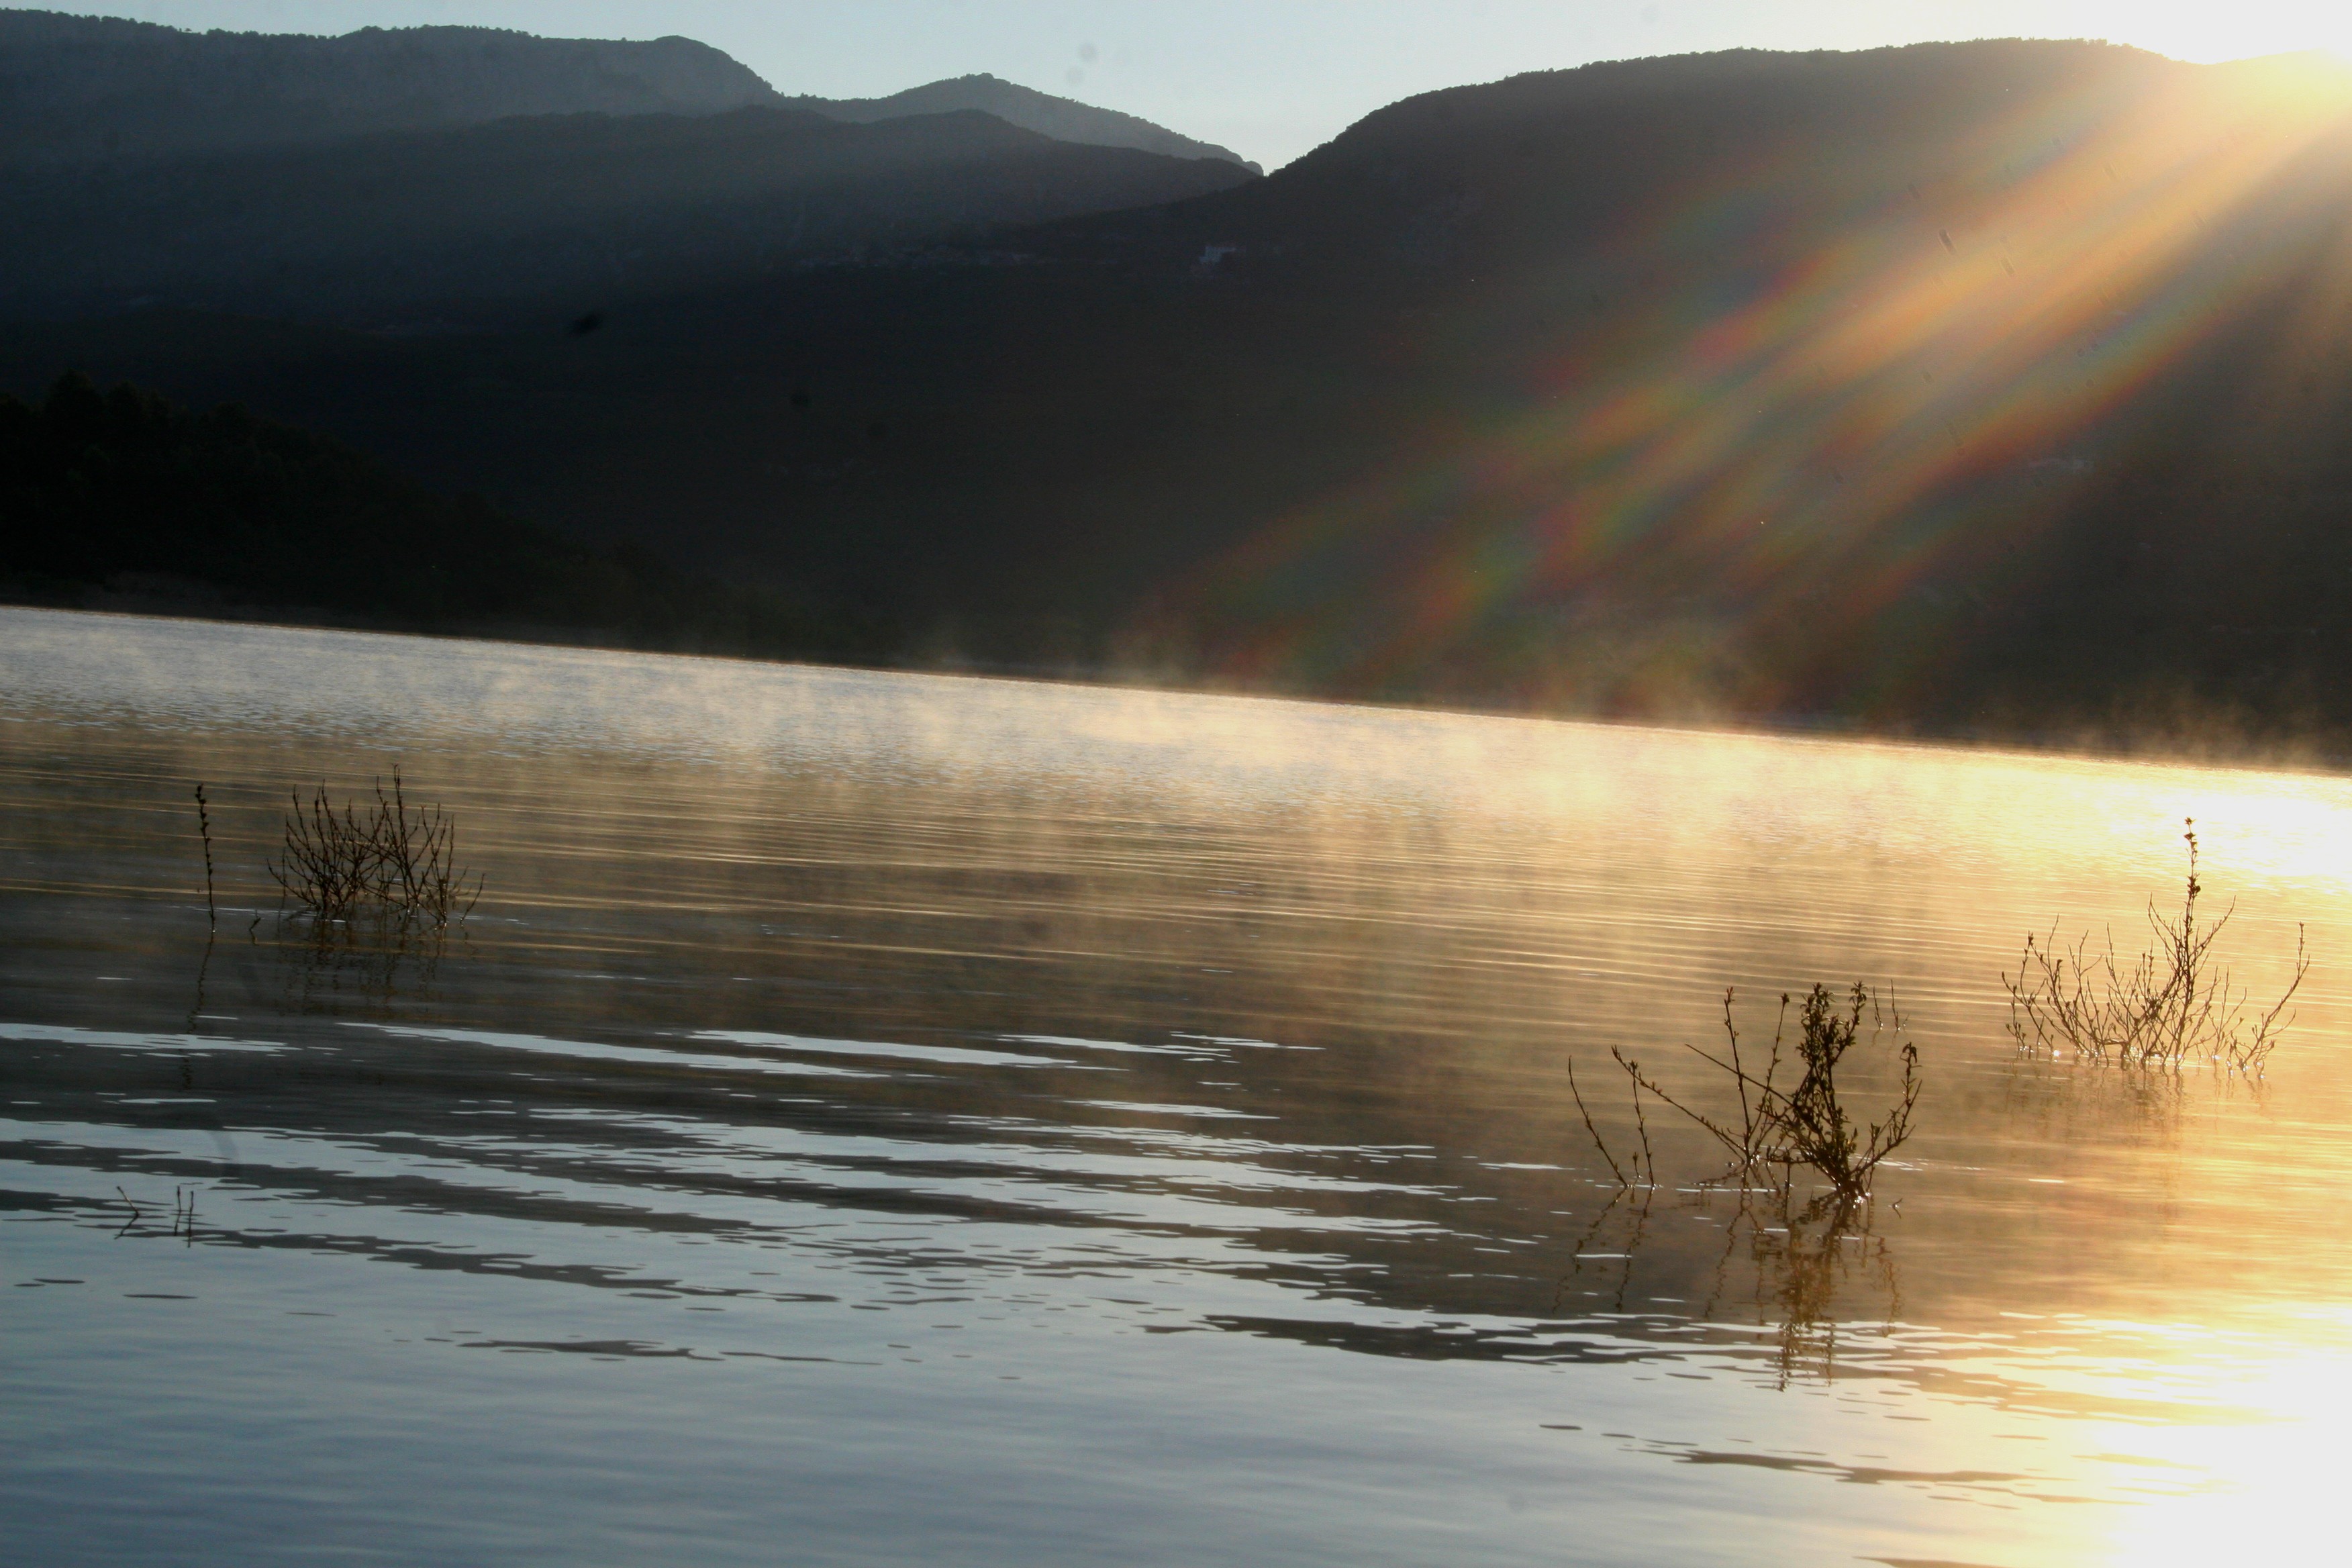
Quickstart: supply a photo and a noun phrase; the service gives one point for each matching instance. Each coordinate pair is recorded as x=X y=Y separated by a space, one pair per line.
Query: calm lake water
x=873 y=1119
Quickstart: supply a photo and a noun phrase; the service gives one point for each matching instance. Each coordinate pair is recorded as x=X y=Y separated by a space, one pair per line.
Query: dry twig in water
x=204 y=827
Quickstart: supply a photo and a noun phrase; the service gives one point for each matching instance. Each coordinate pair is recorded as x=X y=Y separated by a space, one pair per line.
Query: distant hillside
x=560 y=214
x=77 y=90
x=81 y=90
x=1744 y=153
x=1996 y=387
x=1064 y=118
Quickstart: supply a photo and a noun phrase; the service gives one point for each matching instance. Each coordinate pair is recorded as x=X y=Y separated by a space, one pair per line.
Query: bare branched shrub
x=1804 y=1125
x=394 y=861
x=419 y=856
x=1749 y=1144
x=328 y=866
x=1811 y=1126
x=2173 y=1005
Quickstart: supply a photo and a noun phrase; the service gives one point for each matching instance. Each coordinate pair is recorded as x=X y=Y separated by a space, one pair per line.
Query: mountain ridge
x=77 y=91
x=1064 y=118
x=82 y=92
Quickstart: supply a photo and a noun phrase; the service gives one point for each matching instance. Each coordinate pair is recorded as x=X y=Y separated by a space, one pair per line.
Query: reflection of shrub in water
x=1780 y=1129
x=1799 y=1261
x=393 y=862
x=2060 y=1101
x=1799 y=1265
x=1799 y=1252
x=381 y=965
x=2174 y=1003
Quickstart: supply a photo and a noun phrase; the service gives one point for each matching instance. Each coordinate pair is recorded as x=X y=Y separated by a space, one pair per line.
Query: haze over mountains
x=570 y=211
x=81 y=90
x=2001 y=384
x=445 y=175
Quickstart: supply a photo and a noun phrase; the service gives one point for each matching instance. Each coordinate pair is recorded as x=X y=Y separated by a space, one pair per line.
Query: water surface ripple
x=877 y=1118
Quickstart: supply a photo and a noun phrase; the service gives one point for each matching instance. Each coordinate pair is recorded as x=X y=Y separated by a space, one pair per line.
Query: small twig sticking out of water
x=205 y=827
x=1640 y=1123
x=1598 y=1141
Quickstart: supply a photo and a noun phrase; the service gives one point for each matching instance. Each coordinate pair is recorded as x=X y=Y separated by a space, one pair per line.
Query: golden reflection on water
x=2264 y=1487
x=1290 y=984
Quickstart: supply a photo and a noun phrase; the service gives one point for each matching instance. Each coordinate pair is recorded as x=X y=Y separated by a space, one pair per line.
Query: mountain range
x=432 y=176
x=78 y=91
x=1994 y=387
x=82 y=90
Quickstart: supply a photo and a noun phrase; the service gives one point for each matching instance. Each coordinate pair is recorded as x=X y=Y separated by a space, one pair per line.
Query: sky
x=1273 y=78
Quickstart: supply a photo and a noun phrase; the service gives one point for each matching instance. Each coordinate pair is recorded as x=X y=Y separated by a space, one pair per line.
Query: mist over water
x=877 y=1117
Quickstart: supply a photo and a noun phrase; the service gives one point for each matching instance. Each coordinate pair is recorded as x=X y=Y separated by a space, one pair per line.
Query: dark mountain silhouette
x=1963 y=386
x=1063 y=119
x=77 y=90
x=562 y=213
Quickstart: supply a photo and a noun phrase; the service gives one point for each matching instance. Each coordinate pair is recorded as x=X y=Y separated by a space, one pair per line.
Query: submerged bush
x=1783 y=1128
x=2174 y=1004
x=394 y=861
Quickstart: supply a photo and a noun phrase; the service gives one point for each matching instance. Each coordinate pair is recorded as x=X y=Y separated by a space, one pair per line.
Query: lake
x=879 y=1117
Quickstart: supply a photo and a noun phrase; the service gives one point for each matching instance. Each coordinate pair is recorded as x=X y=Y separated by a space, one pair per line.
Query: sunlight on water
x=2263 y=1488
x=990 y=1123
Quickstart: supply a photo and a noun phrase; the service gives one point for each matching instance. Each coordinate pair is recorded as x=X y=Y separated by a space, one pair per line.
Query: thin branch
x=1588 y=1127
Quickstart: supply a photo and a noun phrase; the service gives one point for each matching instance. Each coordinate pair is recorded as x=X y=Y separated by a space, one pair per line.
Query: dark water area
x=873 y=1118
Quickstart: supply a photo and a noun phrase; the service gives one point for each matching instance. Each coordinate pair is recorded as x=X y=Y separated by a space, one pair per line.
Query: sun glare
x=2262 y=1489
x=2209 y=33
x=2057 y=260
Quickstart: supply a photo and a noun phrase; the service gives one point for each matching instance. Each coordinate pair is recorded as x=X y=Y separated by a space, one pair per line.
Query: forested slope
x=120 y=497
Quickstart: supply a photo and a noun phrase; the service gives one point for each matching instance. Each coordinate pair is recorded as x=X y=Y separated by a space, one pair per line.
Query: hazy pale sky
x=1272 y=78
